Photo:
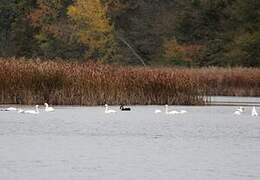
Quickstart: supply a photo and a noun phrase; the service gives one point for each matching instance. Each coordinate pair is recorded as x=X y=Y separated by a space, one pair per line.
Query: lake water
x=84 y=143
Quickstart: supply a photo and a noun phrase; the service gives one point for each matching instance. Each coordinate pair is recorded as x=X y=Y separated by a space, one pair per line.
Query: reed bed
x=34 y=82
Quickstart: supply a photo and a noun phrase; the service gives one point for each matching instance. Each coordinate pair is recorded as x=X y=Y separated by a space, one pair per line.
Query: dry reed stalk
x=33 y=81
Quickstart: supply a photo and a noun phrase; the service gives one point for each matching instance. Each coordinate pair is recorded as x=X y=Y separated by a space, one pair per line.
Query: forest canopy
x=158 y=32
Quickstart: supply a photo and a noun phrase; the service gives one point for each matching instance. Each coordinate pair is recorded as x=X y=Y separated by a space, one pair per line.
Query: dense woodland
x=158 y=32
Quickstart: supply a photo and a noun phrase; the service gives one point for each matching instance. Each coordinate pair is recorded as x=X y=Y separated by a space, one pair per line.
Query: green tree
x=54 y=36
x=243 y=48
x=16 y=34
x=182 y=32
x=236 y=43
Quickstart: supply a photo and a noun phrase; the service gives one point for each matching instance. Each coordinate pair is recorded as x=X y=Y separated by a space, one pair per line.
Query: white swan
x=36 y=111
x=170 y=112
x=157 y=111
x=9 y=109
x=183 y=111
x=47 y=108
x=239 y=111
x=107 y=111
x=20 y=110
x=254 y=112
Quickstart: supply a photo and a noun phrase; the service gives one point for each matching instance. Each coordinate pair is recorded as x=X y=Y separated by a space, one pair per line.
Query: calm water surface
x=84 y=143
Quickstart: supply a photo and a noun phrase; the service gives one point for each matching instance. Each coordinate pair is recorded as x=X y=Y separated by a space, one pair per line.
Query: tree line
x=153 y=32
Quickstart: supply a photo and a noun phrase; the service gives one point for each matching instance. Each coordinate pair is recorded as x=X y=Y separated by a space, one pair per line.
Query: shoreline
x=236 y=101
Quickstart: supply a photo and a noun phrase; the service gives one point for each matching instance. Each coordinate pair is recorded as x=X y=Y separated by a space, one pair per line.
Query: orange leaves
x=185 y=52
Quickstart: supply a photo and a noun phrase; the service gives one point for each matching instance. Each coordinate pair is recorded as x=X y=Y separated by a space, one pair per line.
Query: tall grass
x=229 y=81
x=34 y=81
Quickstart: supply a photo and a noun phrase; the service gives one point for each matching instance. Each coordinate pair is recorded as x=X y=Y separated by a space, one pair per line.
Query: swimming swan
x=20 y=110
x=107 y=111
x=157 y=111
x=123 y=108
x=36 y=111
x=170 y=112
x=47 y=108
x=9 y=109
x=183 y=111
x=254 y=112
x=239 y=111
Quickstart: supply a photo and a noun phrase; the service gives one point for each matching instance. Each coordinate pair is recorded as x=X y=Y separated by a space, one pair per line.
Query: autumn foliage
x=167 y=32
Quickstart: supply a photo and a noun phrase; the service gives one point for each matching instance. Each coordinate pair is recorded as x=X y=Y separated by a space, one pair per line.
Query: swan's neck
x=166 y=109
x=37 y=109
x=106 y=108
x=46 y=105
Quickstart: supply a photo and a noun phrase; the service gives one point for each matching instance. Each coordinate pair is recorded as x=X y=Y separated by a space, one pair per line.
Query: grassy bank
x=35 y=82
